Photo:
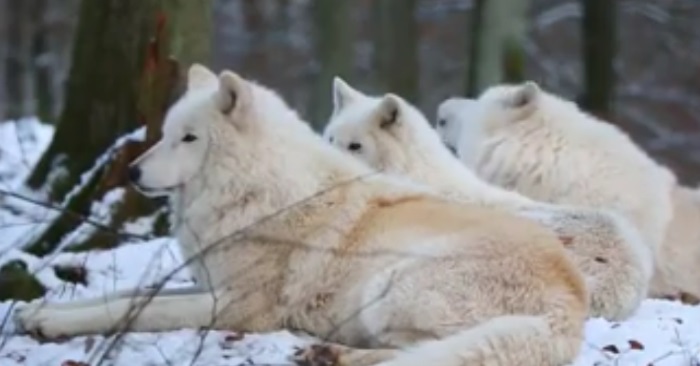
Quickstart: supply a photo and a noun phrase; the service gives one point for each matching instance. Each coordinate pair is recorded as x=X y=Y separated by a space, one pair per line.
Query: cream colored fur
x=525 y=139
x=607 y=248
x=677 y=274
x=302 y=236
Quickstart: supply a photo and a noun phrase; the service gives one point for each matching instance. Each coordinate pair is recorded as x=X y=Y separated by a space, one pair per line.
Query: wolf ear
x=198 y=76
x=389 y=109
x=525 y=95
x=343 y=94
x=233 y=92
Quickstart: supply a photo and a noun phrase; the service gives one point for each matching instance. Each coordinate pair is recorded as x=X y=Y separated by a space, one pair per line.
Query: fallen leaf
x=635 y=344
x=234 y=337
x=74 y=363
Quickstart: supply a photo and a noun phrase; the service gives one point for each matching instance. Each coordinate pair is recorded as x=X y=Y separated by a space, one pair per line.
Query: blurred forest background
x=419 y=48
x=100 y=69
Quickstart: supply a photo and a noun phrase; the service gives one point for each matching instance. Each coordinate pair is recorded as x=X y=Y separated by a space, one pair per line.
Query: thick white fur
x=677 y=274
x=607 y=248
x=531 y=141
x=375 y=262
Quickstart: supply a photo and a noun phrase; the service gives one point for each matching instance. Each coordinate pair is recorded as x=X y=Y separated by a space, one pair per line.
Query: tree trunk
x=333 y=42
x=396 y=47
x=495 y=52
x=599 y=35
x=41 y=68
x=15 y=61
x=122 y=76
x=62 y=23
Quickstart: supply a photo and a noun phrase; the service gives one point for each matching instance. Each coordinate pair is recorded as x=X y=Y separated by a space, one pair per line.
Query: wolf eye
x=189 y=138
x=354 y=146
x=442 y=122
x=330 y=139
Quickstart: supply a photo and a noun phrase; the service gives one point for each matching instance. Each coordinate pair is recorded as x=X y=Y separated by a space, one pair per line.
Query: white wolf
x=523 y=138
x=299 y=235
x=395 y=137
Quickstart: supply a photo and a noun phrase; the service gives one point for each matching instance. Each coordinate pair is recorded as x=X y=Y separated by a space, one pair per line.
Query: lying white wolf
x=298 y=235
x=395 y=137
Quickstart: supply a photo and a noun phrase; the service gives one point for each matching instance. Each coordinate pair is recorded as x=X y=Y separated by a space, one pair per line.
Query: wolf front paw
x=316 y=355
x=41 y=322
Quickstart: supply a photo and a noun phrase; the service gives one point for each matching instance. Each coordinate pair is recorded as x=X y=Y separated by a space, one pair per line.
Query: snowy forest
x=85 y=85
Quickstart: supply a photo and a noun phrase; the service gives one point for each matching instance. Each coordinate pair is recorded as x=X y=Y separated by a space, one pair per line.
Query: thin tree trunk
x=495 y=52
x=43 y=79
x=396 y=47
x=255 y=60
x=333 y=42
x=15 y=61
x=599 y=46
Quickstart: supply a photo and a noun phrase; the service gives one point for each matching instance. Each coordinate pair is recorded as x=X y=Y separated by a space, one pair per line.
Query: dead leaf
x=234 y=337
x=690 y=299
x=635 y=344
x=74 y=363
x=611 y=348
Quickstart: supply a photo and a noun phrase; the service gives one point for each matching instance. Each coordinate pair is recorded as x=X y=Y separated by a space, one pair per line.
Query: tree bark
x=122 y=77
x=41 y=69
x=396 y=47
x=333 y=43
x=496 y=38
x=599 y=32
x=16 y=59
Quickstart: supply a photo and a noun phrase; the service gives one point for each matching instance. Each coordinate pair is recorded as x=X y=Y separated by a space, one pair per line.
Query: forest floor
x=661 y=333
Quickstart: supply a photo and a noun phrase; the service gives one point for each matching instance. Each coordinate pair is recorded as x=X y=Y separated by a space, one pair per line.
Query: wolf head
x=229 y=140
x=464 y=123
x=383 y=131
x=218 y=130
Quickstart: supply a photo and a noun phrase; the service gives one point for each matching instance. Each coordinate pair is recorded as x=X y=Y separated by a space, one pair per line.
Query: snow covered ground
x=661 y=333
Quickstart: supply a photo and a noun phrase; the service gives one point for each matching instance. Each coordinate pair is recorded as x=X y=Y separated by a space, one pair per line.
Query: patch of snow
x=100 y=212
x=21 y=144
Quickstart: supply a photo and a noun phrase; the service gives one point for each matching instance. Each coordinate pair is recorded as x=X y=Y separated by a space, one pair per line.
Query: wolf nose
x=134 y=174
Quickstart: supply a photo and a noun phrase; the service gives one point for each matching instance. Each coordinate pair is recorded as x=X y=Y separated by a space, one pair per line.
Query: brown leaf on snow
x=611 y=348
x=234 y=337
x=74 y=363
x=689 y=299
x=635 y=344
x=229 y=339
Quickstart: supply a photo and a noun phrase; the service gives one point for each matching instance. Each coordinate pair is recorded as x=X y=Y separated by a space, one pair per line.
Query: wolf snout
x=134 y=174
